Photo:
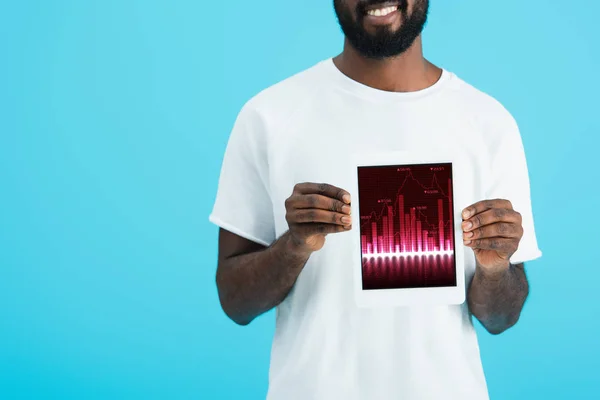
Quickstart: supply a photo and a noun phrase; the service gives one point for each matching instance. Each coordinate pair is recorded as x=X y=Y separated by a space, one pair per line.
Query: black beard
x=384 y=43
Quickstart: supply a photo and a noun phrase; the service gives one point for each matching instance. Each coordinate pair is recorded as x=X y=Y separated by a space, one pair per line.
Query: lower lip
x=382 y=20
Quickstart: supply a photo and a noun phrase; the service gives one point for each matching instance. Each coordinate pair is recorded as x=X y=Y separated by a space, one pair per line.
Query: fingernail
x=468 y=234
x=467 y=242
x=347 y=210
x=466 y=213
x=346 y=198
x=347 y=227
x=346 y=220
x=468 y=225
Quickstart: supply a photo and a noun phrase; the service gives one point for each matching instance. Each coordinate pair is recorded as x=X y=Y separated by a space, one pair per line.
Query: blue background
x=114 y=116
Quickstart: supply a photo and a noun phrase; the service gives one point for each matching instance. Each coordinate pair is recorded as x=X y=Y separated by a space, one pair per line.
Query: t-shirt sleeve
x=510 y=181
x=243 y=204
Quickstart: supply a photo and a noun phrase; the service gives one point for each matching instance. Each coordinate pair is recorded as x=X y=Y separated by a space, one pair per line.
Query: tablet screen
x=406 y=226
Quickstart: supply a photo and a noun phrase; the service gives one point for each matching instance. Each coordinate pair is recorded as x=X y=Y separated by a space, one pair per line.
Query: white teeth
x=382 y=12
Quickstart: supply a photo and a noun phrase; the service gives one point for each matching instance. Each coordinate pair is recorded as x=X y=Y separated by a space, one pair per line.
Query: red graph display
x=407 y=226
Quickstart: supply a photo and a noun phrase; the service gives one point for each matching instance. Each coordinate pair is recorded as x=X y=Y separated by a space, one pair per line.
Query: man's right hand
x=315 y=210
x=312 y=211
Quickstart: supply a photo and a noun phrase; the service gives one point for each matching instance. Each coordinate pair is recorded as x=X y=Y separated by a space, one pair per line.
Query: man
x=285 y=216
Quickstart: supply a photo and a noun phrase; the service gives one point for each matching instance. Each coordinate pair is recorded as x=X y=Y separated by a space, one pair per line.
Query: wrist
x=497 y=272
x=294 y=247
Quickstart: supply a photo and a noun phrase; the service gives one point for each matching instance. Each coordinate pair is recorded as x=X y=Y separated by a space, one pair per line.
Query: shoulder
x=485 y=108
x=277 y=102
x=491 y=118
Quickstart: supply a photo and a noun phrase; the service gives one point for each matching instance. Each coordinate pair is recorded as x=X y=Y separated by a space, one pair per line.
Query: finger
x=492 y=216
x=306 y=230
x=319 y=202
x=500 y=230
x=484 y=205
x=502 y=245
x=312 y=215
x=323 y=189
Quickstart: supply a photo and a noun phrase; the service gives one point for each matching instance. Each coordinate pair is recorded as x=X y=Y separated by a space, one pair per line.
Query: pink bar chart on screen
x=407 y=226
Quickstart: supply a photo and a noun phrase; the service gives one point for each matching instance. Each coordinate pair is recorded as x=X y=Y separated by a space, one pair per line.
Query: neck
x=408 y=72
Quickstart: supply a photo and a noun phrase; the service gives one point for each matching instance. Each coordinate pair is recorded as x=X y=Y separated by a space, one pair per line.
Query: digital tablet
x=407 y=230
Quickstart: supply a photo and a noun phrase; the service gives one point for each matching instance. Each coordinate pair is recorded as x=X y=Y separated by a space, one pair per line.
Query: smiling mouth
x=382 y=10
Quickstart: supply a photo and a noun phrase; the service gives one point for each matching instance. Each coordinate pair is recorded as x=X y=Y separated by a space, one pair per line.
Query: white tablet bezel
x=411 y=296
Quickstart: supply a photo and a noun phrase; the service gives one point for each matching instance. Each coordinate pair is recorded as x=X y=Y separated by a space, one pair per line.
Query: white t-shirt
x=302 y=130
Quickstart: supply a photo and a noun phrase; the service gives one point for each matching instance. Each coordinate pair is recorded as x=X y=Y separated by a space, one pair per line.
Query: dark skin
x=498 y=290
x=253 y=279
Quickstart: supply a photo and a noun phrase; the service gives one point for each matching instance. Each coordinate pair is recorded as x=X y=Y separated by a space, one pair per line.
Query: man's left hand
x=493 y=230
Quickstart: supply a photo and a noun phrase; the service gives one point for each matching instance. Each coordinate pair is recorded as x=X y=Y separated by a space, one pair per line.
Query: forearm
x=254 y=283
x=497 y=298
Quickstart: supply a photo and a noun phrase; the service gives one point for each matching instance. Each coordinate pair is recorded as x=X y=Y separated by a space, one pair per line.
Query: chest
x=318 y=146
